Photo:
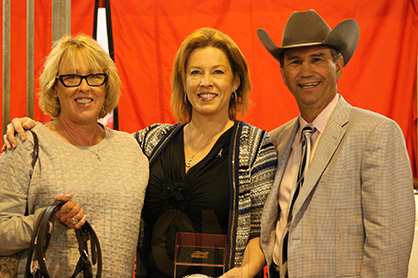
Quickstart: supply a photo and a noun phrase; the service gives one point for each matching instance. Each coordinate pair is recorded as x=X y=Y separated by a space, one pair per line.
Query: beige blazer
x=355 y=214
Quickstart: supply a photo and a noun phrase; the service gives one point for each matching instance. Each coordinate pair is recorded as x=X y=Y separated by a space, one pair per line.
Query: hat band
x=302 y=45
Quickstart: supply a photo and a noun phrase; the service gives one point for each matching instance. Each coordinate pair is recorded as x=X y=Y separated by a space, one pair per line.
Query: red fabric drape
x=82 y=22
x=381 y=75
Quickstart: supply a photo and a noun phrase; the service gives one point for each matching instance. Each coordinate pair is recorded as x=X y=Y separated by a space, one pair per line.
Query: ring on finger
x=74 y=221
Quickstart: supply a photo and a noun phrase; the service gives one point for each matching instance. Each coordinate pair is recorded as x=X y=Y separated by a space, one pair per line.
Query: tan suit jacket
x=355 y=214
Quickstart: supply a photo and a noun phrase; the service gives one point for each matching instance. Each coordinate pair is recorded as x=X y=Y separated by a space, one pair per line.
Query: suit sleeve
x=387 y=202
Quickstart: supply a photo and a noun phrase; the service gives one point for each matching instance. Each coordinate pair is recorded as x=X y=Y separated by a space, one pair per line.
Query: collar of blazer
x=330 y=140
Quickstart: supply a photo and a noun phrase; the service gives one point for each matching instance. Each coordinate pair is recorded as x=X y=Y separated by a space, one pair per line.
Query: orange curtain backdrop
x=380 y=77
x=17 y=52
x=82 y=22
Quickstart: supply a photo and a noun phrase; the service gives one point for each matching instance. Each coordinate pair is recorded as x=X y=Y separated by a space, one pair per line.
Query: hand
x=234 y=272
x=252 y=262
x=70 y=212
x=17 y=125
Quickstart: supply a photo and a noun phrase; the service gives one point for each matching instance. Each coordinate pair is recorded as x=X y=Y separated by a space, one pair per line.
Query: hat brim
x=344 y=37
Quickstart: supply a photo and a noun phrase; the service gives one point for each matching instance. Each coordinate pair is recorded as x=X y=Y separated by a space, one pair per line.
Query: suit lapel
x=282 y=138
x=330 y=140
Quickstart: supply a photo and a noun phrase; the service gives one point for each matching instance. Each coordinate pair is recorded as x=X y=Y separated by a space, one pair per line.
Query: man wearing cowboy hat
x=352 y=214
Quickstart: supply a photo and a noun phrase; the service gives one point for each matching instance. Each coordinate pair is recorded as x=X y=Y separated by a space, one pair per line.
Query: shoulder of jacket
x=250 y=129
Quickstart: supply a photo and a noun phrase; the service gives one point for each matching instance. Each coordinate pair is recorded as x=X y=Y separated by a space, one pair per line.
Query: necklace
x=190 y=161
x=78 y=142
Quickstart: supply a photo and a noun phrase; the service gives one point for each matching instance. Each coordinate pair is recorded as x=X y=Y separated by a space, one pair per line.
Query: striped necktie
x=303 y=168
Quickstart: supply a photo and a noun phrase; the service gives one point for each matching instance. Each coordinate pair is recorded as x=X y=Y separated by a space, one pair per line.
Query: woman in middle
x=210 y=173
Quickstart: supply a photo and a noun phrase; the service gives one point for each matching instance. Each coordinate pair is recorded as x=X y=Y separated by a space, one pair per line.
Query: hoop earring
x=234 y=96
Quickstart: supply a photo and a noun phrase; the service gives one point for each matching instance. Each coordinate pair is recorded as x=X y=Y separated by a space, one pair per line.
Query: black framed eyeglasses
x=74 y=80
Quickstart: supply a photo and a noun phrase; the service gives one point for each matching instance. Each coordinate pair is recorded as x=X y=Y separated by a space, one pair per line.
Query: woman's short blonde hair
x=66 y=51
x=202 y=38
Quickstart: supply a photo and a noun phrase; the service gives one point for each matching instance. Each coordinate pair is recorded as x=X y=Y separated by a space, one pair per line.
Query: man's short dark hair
x=334 y=52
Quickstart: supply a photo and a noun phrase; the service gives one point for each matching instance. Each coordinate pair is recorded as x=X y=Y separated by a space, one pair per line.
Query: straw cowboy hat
x=307 y=28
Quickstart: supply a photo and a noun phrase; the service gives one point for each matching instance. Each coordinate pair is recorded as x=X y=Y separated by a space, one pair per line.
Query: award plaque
x=205 y=251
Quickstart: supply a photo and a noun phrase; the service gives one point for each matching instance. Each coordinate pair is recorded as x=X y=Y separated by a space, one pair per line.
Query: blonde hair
x=66 y=51
x=202 y=38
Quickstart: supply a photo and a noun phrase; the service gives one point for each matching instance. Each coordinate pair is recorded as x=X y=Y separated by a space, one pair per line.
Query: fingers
x=9 y=139
x=63 y=198
x=17 y=127
x=27 y=123
x=6 y=144
x=77 y=224
x=71 y=213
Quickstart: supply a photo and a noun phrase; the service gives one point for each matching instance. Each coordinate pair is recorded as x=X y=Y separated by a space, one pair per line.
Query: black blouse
x=175 y=201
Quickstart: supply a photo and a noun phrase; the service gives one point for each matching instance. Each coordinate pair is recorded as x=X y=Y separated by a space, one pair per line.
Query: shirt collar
x=321 y=120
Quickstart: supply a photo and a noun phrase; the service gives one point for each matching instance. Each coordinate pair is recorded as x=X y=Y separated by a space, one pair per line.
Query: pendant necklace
x=190 y=161
x=78 y=142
